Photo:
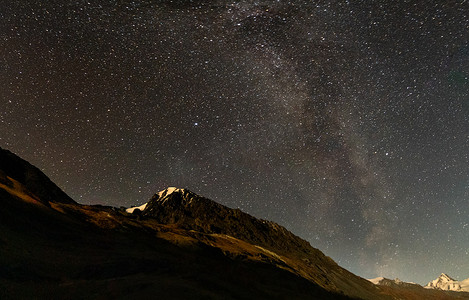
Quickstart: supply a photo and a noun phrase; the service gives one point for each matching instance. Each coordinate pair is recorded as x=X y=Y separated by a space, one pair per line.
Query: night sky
x=346 y=122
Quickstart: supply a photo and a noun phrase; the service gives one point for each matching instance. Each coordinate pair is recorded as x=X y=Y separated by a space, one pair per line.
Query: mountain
x=187 y=210
x=446 y=283
x=393 y=282
x=179 y=245
x=54 y=248
x=398 y=289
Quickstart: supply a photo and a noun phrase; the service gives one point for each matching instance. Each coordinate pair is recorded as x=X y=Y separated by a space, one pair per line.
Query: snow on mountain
x=444 y=282
x=390 y=282
x=464 y=285
x=141 y=207
x=169 y=191
x=376 y=280
x=162 y=194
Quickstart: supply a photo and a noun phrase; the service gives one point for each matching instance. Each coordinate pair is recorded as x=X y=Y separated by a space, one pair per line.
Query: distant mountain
x=446 y=283
x=393 y=282
x=398 y=289
x=179 y=245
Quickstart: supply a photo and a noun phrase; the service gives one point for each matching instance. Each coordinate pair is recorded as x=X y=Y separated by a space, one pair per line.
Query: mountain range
x=178 y=245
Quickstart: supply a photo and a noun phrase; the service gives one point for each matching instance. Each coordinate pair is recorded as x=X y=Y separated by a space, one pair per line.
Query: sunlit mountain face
x=345 y=122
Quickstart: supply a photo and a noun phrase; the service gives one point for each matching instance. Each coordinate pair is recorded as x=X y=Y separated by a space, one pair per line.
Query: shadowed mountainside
x=189 y=211
x=33 y=181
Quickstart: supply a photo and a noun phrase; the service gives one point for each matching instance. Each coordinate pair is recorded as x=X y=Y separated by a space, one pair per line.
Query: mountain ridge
x=185 y=209
x=85 y=248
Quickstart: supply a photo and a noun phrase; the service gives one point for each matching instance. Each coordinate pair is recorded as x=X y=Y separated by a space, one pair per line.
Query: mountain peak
x=446 y=277
x=170 y=190
x=172 y=197
x=376 y=280
x=185 y=209
x=444 y=282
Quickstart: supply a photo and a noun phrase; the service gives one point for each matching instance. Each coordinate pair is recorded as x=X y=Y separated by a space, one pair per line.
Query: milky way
x=347 y=123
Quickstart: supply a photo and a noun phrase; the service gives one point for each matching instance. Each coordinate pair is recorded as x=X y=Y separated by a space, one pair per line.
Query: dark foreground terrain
x=181 y=246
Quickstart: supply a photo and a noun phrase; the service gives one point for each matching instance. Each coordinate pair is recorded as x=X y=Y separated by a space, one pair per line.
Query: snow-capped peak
x=389 y=282
x=445 y=277
x=376 y=280
x=445 y=282
x=162 y=194
x=169 y=191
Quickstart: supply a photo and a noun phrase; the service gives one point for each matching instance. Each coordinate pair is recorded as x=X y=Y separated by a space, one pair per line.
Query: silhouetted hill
x=30 y=177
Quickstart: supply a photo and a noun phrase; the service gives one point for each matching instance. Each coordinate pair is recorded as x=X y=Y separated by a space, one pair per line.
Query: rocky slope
x=185 y=209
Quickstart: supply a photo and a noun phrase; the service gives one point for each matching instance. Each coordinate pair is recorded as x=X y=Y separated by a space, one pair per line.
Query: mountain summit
x=446 y=283
x=190 y=211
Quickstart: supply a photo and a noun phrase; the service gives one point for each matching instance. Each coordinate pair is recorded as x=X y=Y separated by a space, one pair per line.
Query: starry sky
x=345 y=121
